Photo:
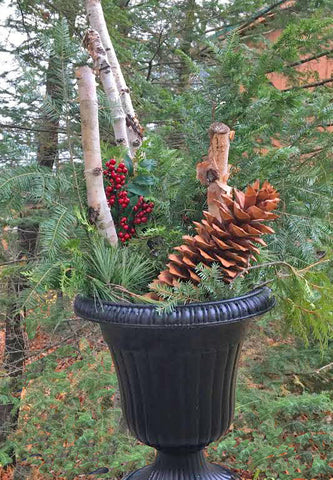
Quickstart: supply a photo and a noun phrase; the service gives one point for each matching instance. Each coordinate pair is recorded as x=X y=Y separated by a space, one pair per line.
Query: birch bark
x=99 y=211
x=93 y=44
x=97 y=22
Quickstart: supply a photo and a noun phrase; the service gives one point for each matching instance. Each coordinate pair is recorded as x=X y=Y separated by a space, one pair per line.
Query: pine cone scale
x=227 y=240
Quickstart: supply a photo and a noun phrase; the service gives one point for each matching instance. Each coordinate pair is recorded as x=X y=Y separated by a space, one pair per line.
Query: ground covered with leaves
x=69 y=422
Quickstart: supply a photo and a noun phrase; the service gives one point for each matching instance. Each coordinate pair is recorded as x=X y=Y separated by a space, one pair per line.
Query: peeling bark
x=97 y=21
x=214 y=172
x=93 y=44
x=99 y=210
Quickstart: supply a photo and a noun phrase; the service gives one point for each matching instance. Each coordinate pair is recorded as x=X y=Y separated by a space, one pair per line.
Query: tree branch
x=260 y=14
x=308 y=59
x=17 y=127
x=309 y=85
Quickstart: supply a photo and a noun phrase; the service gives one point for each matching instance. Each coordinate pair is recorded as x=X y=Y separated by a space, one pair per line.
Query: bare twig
x=308 y=59
x=309 y=85
x=325 y=367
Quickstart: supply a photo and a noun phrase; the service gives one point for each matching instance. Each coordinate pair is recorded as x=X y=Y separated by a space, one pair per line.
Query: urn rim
x=252 y=304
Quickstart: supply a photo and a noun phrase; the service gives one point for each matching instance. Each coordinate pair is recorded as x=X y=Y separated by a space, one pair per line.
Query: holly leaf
x=138 y=189
x=148 y=164
x=144 y=180
x=129 y=164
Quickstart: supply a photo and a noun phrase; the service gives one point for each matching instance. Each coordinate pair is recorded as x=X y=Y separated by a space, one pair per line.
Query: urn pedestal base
x=182 y=466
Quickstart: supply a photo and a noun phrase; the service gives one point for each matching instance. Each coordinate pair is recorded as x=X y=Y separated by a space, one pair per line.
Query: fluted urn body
x=177 y=374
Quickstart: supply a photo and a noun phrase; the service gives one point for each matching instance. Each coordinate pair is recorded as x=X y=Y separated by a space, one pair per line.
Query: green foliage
x=69 y=423
x=55 y=231
x=178 y=197
x=30 y=184
x=210 y=288
x=92 y=267
x=282 y=426
x=306 y=303
x=109 y=269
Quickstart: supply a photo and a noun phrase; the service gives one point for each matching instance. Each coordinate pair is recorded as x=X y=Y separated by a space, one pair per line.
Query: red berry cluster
x=128 y=230
x=142 y=210
x=118 y=198
x=116 y=177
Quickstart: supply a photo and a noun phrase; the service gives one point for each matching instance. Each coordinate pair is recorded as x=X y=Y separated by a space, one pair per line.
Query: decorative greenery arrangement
x=291 y=261
x=197 y=64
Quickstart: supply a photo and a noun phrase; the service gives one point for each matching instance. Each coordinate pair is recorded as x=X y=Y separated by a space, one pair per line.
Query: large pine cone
x=229 y=240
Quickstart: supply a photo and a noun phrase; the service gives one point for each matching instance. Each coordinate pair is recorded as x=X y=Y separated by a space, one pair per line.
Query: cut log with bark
x=99 y=211
x=97 y=22
x=214 y=171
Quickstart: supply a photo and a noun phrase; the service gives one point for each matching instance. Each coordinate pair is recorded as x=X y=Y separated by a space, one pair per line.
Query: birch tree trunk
x=99 y=211
x=97 y=22
x=93 y=44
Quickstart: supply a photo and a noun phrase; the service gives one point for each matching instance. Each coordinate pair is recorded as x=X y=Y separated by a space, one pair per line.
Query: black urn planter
x=177 y=374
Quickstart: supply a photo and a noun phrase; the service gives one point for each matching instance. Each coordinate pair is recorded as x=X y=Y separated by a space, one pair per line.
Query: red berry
x=112 y=161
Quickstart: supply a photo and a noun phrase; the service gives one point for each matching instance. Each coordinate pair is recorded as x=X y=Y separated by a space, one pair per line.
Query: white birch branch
x=99 y=211
x=93 y=44
x=97 y=22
